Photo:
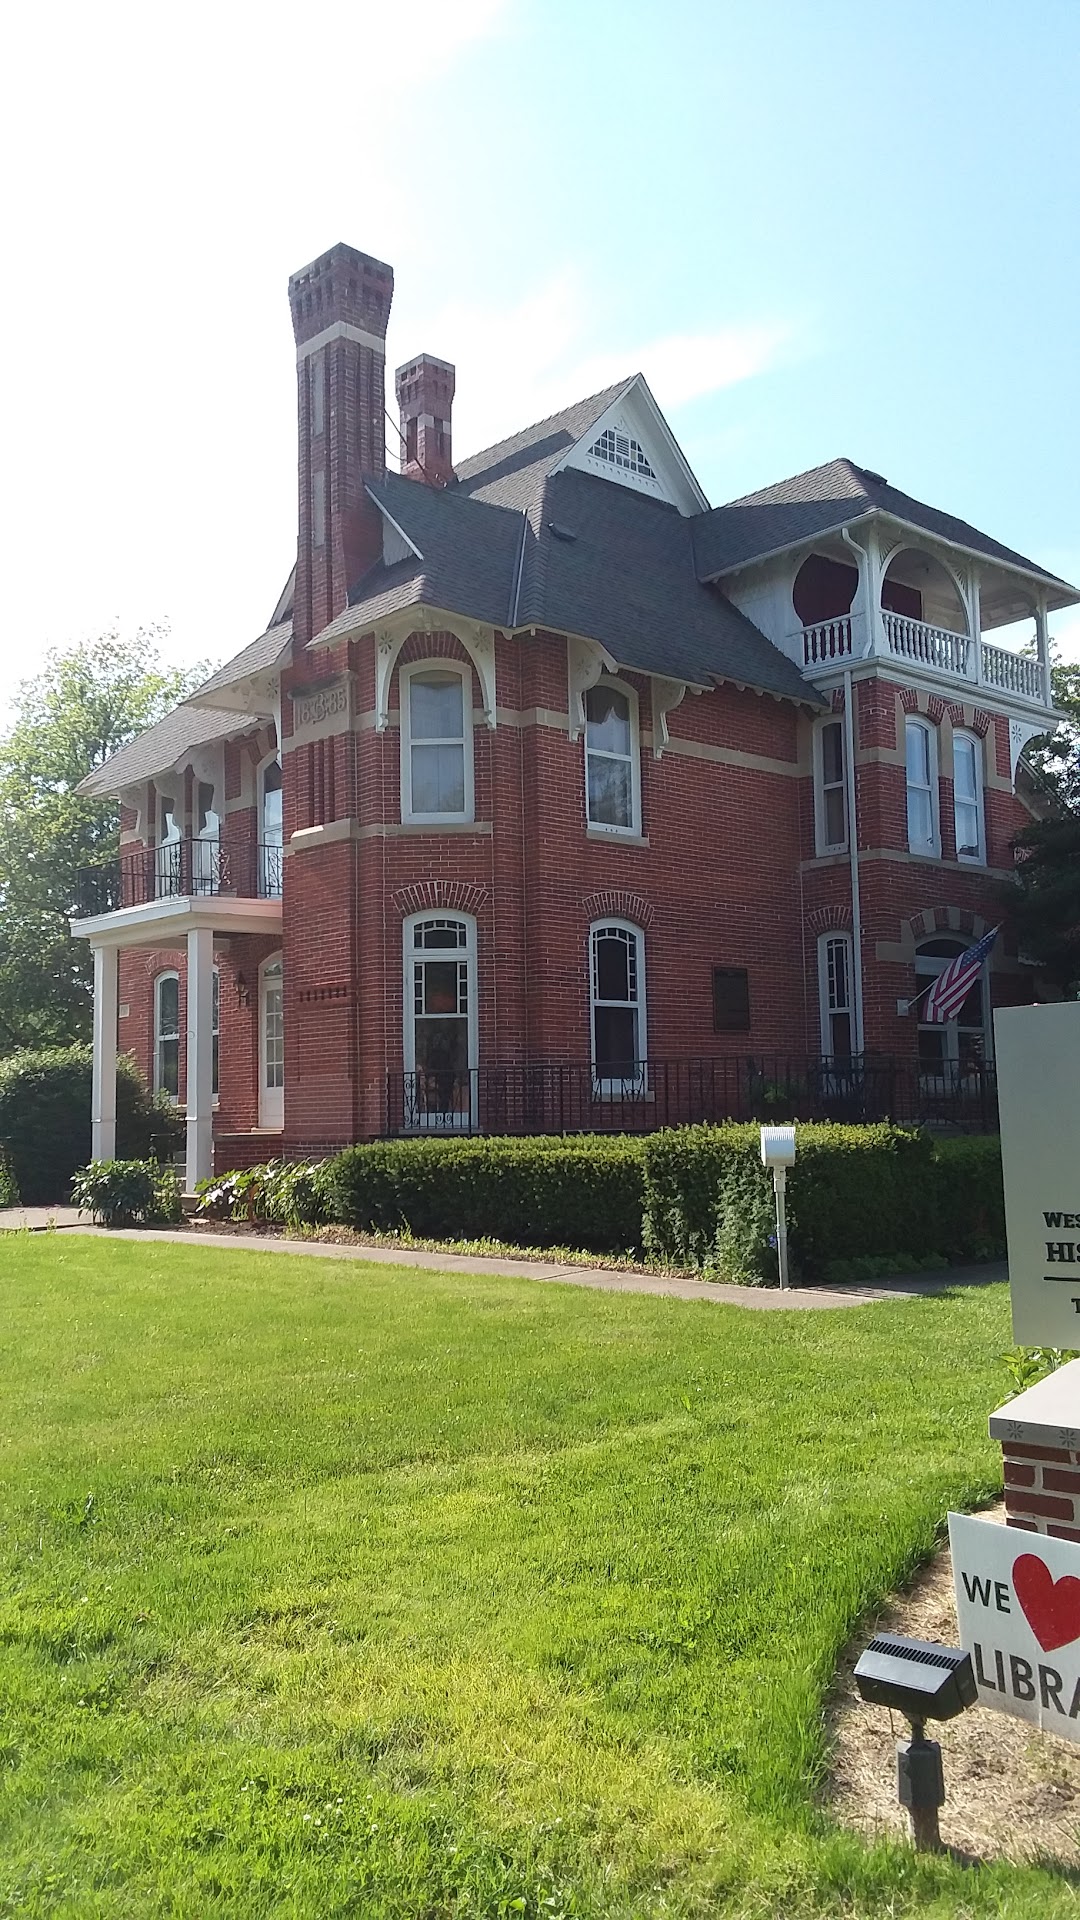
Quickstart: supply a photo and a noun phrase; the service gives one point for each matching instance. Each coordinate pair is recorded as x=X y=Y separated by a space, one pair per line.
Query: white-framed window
x=836 y=990
x=920 y=745
x=619 y=1028
x=622 y=450
x=272 y=1043
x=169 y=857
x=830 y=787
x=270 y=829
x=167 y=1035
x=612 y=758
x=436 y=742
x=440 y=1032
x=206 y=844
x=968 y=797
x=951 y=1051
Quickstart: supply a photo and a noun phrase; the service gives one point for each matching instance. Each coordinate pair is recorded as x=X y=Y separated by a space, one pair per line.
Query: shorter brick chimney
x=425 y=391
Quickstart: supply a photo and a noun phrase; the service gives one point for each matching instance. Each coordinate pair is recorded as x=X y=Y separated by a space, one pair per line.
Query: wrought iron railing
x=179 y=869
x=555 y=1097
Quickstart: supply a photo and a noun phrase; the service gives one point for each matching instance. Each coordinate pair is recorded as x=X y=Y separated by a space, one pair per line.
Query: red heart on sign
x=1051 y=1607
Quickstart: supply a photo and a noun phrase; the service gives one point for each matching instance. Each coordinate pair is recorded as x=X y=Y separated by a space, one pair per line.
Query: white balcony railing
x=1012 y=672
x=829 y=640
x=935 y=647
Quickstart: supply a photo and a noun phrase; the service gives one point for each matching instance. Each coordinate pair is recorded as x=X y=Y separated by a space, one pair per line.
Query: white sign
x=1038 y=1067
x=1018 y=1605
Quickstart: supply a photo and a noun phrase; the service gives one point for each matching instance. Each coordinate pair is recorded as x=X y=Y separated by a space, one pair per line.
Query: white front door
x=271 y=1044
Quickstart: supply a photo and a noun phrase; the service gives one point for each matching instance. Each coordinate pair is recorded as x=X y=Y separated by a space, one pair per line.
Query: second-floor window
x=967 y=797
x=612 y=797
x=831 y=810
x=436 y=744
x=922 y=799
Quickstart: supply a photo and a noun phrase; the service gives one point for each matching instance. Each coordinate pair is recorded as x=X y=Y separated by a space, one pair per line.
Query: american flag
x=951 y=988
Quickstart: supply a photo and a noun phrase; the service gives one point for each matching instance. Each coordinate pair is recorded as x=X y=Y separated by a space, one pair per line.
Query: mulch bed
x=1012 y=1792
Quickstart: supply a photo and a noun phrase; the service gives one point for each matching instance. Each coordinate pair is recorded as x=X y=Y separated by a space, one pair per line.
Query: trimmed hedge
x=862 y=1200
x=45 y=1119
x=582 y=1192
x=854 y=1193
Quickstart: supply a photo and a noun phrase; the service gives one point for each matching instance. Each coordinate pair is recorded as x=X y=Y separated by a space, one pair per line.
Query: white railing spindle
x=829 y=640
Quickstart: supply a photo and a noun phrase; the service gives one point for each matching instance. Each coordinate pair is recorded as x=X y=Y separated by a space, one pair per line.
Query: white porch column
x=975 y=623
x=200 y=1056
x=103 y=1083
x=1042 y=637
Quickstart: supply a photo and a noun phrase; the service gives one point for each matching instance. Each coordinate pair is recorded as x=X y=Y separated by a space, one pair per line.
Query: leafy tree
x=1044 y=900
x=85 y=704
x=1056 y=756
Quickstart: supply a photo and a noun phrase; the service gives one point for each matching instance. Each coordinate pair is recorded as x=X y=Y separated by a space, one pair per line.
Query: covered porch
x=190 y=924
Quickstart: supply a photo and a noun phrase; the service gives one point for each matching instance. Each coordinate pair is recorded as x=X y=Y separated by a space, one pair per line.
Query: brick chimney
x=340 y=306
x=425 y=393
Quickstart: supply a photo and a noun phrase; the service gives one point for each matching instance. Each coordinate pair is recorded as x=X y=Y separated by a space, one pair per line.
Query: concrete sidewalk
x=603 y=1279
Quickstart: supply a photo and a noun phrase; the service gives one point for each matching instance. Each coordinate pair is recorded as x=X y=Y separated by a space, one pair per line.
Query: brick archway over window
x=835 y=919
x=940 y=920
x=623 y=906
x=455 y=896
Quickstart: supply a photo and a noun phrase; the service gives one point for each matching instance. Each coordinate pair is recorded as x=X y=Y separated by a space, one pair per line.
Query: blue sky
x=817 y=227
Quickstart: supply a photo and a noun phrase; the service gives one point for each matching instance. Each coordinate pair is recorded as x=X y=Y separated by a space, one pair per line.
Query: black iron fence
x=179 y=869
x=548 y=1097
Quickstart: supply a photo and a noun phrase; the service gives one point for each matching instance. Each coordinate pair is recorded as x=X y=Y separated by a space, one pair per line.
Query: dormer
x=632 y=445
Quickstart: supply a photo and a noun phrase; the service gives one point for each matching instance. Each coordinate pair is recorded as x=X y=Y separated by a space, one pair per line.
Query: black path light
x=923 y=1682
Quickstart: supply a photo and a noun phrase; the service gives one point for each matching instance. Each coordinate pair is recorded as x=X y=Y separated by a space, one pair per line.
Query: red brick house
x=554 y=798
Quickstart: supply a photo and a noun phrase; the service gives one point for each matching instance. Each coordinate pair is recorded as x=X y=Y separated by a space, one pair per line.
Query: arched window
x=968 y=797
x=440 y=1042
x=618 y=1019
x=924 y=832
x=167 y=1035
x=952 y=1049
x=837 y=996
x=436 y=742
x=270 y=829
x=271 y=1043
x=206 y=845
x=830 y=788
x=612 y=777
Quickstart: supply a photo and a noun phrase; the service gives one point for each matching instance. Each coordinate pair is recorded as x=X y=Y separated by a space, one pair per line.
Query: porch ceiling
x=161 y=922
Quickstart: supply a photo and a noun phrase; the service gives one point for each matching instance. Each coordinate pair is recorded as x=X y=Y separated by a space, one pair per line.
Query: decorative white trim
x=666 y=696
x=585 y=662
x=478 y=641
x=1020 y=732
x=634 y=412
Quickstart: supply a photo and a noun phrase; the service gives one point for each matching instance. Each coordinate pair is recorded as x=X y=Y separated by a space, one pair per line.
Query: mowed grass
x=333 y=1588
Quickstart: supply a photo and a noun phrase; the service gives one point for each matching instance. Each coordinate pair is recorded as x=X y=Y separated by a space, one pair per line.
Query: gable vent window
x=620 y=451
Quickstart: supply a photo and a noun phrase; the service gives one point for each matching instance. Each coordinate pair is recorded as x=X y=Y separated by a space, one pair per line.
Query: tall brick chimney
x=425 y=393
x=340 y=306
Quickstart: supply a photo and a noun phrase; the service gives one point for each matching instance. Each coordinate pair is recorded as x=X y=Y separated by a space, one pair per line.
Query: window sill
x=443 y=826
x=617 y=836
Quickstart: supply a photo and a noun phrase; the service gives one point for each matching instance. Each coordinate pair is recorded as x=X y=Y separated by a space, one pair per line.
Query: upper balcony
x=177 y=870
x=923 y=610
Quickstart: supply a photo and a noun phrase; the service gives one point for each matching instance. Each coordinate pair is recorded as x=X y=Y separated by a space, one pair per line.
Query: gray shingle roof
x=163 y=746
x=263 y=653
x=586 y=556
x=820 y=501
x=511 y=473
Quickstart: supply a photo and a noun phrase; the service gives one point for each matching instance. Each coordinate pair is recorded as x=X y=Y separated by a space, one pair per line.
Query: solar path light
x=924 y=1682
x=778 y=1152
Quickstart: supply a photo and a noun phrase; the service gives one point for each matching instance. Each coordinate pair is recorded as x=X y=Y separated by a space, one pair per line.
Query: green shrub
x=9 y=1186
x=285 y=1193
x=45 y=1119
x=128 y=1193
x=542 y=1192
x=885 y=1193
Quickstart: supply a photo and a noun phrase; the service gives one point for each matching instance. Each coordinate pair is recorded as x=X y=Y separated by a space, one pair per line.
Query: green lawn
x=341 y=1589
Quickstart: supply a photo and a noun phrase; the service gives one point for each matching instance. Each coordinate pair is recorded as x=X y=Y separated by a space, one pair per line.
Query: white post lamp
x=778 y=1152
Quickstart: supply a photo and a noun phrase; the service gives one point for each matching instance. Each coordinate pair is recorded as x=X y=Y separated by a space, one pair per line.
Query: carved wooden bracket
x=666 y=696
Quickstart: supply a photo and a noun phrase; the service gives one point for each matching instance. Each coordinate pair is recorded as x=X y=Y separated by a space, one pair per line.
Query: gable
x=632 y=445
